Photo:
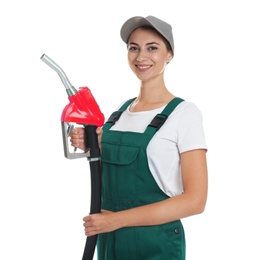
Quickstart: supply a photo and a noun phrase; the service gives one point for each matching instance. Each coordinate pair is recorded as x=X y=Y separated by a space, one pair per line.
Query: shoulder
x=187 y=109
x=187 y=124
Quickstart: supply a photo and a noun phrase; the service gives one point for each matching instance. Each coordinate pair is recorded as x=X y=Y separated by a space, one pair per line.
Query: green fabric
x=127 y=183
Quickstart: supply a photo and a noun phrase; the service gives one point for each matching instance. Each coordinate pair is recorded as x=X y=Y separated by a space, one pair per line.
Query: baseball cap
x=135 y=22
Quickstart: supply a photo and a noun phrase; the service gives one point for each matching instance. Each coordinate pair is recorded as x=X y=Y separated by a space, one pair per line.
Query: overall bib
x=127 y=183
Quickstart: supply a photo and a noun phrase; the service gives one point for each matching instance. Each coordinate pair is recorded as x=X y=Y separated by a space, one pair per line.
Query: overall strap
x=116 y=115
x=160 y=119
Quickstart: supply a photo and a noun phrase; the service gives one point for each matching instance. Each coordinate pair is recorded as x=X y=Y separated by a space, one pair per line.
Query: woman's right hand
x=77 y=137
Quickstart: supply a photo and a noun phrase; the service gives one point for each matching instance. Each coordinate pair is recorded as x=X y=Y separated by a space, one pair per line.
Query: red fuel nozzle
x=83 y=109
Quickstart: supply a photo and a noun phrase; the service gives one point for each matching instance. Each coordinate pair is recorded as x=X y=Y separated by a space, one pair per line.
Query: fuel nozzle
x=82 y=109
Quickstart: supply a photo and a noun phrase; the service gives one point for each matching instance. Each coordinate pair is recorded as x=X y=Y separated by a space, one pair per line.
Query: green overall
x=127 y=183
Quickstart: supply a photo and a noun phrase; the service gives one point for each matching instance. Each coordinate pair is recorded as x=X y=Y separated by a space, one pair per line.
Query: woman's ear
x=169 y=58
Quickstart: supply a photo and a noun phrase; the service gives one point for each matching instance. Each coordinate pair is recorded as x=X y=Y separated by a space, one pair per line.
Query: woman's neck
x=151 y=97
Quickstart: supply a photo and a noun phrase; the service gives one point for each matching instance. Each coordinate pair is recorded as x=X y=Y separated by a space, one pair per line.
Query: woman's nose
x=142 y=55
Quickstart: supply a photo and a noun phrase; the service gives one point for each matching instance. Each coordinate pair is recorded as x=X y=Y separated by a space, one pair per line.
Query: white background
x=223 y=63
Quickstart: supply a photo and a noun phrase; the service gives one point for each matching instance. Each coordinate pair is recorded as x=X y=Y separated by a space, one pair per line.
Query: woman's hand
x=77 y=137
x=98 y=223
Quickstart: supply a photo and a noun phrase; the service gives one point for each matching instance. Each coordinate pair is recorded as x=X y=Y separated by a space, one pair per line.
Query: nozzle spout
x=70 y=90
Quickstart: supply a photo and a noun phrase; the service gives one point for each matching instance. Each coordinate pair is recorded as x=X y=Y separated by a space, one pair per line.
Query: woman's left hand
x=100 y=223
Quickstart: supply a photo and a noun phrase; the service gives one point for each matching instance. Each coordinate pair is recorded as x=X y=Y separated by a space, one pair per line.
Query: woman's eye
x=152 y=48
x=133 y=48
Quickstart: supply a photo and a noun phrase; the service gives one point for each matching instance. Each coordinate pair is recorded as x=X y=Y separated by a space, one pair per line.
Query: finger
x=98 y=130
x=77 y=131
x=87 y=218
x=77 y=144
x=90 y=233
x=87 y=224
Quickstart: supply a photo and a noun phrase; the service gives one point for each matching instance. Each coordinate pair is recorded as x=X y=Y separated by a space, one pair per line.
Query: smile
x=143 y=67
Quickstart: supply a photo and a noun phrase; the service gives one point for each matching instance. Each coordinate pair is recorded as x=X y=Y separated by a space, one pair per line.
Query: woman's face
x=147 y=54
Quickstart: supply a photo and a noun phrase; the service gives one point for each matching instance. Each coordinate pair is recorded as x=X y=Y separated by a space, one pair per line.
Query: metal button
x=176 y=231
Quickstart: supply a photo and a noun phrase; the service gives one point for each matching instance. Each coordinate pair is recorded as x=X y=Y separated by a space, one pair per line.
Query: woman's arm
x=191 y=202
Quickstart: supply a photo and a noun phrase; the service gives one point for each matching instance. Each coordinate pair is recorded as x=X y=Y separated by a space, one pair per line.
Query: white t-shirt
x=181 y=132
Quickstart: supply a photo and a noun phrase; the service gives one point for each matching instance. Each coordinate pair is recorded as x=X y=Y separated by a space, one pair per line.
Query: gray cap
x=135 y=22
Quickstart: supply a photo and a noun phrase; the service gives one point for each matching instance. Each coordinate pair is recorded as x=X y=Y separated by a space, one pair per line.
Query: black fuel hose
x=91 y=141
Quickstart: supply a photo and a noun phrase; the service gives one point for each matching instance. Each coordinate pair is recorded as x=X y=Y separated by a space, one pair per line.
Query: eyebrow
x=149 y=43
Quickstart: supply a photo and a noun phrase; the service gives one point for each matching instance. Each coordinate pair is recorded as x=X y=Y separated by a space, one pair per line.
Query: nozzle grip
x=91 y=141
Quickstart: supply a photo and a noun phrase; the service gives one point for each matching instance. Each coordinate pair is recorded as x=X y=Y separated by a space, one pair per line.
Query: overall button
x=176 y=231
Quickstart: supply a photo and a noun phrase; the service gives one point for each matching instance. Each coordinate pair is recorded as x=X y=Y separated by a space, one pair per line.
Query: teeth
x=143 y=67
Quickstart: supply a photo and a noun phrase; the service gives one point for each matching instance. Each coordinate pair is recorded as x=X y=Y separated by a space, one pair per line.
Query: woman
x=154 y=170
